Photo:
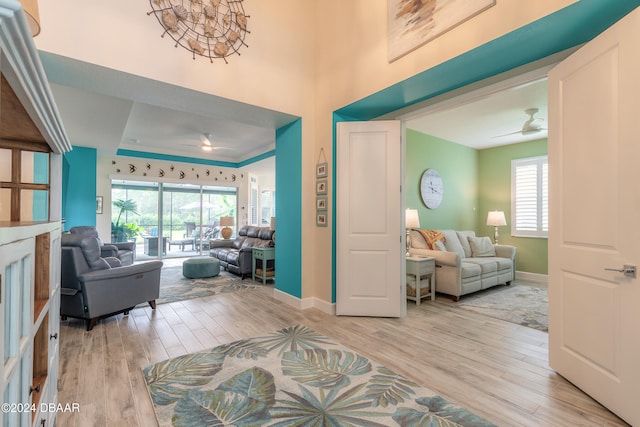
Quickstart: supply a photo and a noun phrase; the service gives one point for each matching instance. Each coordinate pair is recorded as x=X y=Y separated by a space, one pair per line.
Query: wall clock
x=431 y=188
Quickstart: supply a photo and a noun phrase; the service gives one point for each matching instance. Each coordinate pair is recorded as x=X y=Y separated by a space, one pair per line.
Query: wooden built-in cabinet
x=29 y=322
x=32 y=143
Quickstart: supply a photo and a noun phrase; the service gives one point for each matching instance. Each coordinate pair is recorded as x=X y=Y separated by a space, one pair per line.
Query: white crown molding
x=20 y=64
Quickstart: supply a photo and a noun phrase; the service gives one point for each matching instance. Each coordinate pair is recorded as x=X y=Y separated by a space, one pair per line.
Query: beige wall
x=304 y=58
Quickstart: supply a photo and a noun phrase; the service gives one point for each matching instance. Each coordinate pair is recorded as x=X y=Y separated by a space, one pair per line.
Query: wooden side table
x=264 y=255
x=420 y=267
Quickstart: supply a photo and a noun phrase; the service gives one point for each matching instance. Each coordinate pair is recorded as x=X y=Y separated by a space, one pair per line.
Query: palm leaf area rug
x=293 y=377
x=175 y=287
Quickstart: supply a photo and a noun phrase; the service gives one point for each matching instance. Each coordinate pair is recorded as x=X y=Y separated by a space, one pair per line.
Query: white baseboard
x=532 y=277
x=303 y=304
x=326 y=307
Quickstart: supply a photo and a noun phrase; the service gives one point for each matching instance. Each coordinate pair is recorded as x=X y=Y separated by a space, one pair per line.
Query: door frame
x=483 y=63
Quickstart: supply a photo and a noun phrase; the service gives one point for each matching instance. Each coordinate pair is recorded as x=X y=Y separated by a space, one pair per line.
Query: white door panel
x=594 y=148
x=368 y=221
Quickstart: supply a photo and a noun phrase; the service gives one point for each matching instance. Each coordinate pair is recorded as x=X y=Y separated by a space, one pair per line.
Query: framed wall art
x=321 y=203
x=321 y=186
x=321 y=219
x=321 y=170
x=413 y=23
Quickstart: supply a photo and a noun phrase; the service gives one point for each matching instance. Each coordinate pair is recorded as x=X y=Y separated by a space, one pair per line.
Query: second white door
x=369 y=235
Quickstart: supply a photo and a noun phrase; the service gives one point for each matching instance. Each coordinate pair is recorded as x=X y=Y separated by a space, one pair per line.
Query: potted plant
x=132 y=230
x=121 y=232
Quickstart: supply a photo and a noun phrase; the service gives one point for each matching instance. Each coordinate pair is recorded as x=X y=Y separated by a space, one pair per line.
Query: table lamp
x=411 y=220
x=496 y=218
x=226 y=222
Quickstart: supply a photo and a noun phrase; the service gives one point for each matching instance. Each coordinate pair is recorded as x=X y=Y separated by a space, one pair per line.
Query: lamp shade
x=226 y=221
x=496 y=218
x=411 y=219
x=30 y=8
x=272 y=224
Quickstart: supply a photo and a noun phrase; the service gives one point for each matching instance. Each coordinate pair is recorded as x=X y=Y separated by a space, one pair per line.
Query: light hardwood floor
x=493 y=368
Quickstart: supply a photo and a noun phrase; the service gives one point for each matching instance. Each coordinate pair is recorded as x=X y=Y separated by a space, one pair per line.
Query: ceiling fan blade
x=206 y=139
x=508 y=134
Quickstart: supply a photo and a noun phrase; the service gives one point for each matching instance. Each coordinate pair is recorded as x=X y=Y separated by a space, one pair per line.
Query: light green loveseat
x=465 y=263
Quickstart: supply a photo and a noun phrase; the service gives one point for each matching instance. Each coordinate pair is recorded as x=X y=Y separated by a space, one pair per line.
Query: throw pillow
x=418 y=241
x=481 y=246
x=431 y=236
x=452 y=242
x=439 y=246
x=463 y=236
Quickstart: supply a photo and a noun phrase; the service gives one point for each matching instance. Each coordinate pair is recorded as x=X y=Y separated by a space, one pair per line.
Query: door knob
x=627 y=270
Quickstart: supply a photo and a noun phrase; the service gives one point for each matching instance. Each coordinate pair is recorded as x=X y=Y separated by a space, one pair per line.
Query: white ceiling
x=110 y=110
x=486 y=120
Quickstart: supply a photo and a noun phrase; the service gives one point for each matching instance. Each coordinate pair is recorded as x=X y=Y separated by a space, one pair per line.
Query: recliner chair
x=124 y=251
x=94 y=287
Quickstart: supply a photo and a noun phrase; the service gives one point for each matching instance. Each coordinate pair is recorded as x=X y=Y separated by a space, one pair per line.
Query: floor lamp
x=496 y=218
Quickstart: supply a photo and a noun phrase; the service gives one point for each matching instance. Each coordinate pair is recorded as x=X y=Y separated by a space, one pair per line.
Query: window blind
x=530 y=197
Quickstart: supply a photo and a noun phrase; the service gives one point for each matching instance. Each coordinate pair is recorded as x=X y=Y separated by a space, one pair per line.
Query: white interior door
x=594 y=150
x=369 y=234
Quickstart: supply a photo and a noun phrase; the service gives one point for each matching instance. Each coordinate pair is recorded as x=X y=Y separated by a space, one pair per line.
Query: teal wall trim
x=568 y=27
x=171 y=158
x=289 y=208
x=79 y=187
x=256 y=159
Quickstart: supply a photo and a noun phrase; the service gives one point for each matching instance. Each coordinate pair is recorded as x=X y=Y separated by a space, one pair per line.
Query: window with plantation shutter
x=530 y=197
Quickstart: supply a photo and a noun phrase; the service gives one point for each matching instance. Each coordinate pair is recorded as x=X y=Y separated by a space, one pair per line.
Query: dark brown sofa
x=235 y=254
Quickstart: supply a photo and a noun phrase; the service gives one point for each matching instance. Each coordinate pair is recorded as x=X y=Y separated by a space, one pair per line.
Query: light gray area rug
x=517 y=303
x=175 y=287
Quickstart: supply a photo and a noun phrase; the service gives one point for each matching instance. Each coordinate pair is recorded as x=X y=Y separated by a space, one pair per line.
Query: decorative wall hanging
x=321 y=188
x=412 y=23
x=208 y=28
x=163 y=169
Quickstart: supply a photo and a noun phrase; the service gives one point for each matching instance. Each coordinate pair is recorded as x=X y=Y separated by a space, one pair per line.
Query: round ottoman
x=199 y=267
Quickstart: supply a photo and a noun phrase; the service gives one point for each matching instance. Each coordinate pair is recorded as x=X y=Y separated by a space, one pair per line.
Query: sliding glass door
x=134 y=216
x=190 y=216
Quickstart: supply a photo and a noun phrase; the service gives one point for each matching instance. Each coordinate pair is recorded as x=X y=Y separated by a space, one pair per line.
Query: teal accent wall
x=495 y=194
x=458 y=167
x=195 y=160
x=172 y=158
x=79 y=187
x=40 y=211
x=289 y=208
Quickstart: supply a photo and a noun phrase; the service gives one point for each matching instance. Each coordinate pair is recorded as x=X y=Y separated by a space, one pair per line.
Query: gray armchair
x=124 y=251
x=94 y=287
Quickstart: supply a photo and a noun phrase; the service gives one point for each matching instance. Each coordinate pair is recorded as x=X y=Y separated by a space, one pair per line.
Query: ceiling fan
x=207 y=145
x=532 y=125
